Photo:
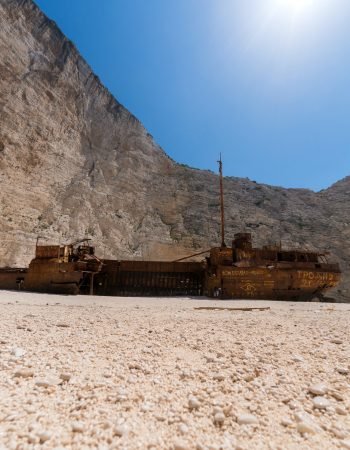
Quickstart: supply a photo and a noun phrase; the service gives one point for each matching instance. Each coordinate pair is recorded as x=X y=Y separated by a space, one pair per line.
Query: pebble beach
x=172 y=373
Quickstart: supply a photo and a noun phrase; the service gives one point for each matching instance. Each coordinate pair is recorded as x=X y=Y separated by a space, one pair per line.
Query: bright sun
x=275 y=34
x=296 y=6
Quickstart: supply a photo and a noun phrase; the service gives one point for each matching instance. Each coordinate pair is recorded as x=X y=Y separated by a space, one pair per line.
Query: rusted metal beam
x=191 y=256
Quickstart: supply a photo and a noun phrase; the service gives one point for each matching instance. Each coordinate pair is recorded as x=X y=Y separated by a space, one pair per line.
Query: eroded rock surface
x=74 y=163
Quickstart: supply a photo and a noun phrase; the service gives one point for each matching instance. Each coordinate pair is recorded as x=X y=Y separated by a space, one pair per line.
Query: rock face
x=75 y=163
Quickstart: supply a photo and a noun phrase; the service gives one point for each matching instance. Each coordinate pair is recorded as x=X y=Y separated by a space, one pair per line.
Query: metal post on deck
x=222 y=205
x=92 y=284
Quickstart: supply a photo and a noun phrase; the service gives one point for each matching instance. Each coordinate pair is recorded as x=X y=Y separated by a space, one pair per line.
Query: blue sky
x=264 y=82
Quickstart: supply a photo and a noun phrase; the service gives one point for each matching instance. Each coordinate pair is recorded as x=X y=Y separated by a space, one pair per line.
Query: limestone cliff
x=74 y=163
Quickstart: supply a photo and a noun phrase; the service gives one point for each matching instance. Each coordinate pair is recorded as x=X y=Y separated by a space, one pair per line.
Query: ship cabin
x=243 y=254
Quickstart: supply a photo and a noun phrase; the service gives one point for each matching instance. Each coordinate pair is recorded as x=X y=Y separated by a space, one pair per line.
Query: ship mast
x=222 y=205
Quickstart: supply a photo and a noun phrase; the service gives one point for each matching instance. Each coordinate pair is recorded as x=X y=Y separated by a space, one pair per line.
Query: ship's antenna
x=222 y=205
x=280 y=234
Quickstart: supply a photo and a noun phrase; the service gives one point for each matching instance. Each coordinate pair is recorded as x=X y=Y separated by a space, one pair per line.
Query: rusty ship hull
x=217 y=277
x=242 y=271
x=55 y=269
x=150 y=278
x=237 y=272
x=11 y=278
x=138 y=278
x=274 y=284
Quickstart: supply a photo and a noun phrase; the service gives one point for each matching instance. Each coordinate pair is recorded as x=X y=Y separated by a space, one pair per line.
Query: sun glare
x=297 y=6
x=278 y=40
x=273 y=22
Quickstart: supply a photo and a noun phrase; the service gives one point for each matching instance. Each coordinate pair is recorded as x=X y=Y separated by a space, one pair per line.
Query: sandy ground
x=132 y=373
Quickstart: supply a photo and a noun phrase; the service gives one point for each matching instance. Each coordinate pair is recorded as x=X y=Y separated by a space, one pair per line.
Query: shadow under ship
x=237 y=272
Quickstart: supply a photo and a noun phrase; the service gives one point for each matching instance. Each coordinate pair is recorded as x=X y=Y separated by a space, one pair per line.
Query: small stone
x=77 y=427
x=318 y=389
x=341 y=411
x=217 y=409
x=134 y=365
x=193 y=402
x=42 y=383
x=340 y=434
x=24 y=373
x=180 y=445
x=336 y=341
x=293 y=404
x=247 y=419
x=210 y=359
x=218 y=377
x=227 y=410
x=297 y=358
x=120 y=430
x=219 y=418
x=145 y=407
x=306 y=427
x=342 y=370
x=250 y=377
x=65 y=376
x=337 y=395
x=44 y=436
x=18 y=352
x=286 y=422
x=321 y=403
x=305 y=424
x=62 y=325
x=160 y=418
x=183 y=428
x=32 y=439
x=47 y=382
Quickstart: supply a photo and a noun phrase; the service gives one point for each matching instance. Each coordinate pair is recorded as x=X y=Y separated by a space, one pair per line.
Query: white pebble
x=44 y=436
x=218 y=377
x=180 y=445
x=342 y=370
x=219 y=418
x=183 y=428
x=286 y=422
x=306 y=427
x=120 y=430
x=247 y=419
x=305 y=424
x=18 y=352
x=47 y=382
x=341 y=411
x=321 y=403
x=318 y=389
x=193 y=402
